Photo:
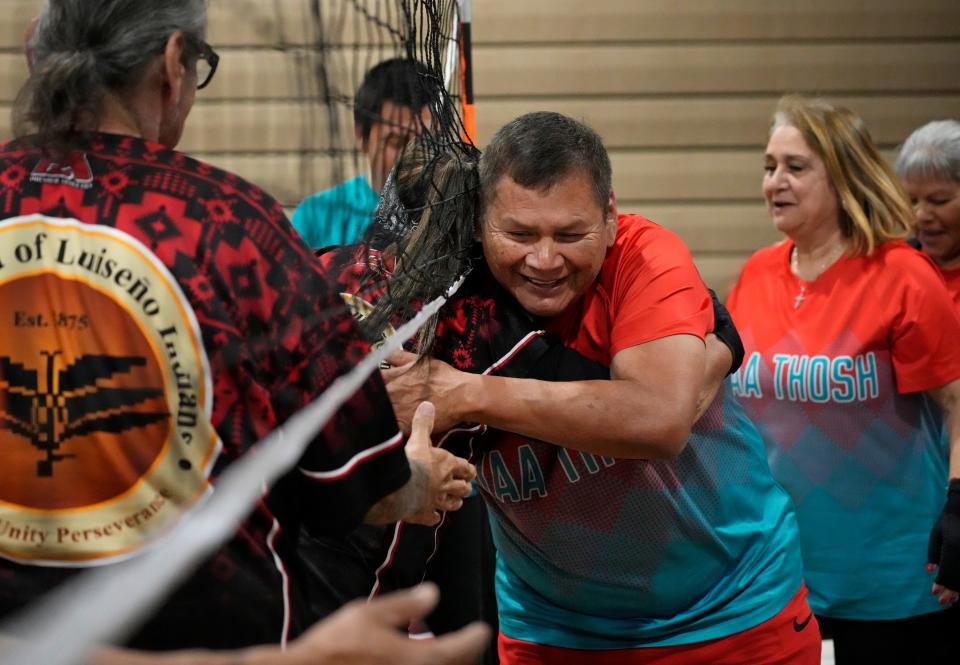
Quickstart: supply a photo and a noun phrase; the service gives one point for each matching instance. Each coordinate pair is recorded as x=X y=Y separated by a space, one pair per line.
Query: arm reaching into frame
x=360 y=633
x=645 y=410
x=944 y=547
x=570 y=373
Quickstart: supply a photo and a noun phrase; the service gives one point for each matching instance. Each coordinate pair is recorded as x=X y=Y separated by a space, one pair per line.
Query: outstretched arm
x=645 y=410
x=360 y=633
x=642 y=412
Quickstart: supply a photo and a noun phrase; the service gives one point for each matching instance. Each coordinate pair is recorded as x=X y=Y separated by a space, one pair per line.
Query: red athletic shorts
x=792 y=637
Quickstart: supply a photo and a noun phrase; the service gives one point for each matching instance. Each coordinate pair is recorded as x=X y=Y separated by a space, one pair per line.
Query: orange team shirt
x=832 y=378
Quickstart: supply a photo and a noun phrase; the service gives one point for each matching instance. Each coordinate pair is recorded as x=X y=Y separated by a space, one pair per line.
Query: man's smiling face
x=546 y=246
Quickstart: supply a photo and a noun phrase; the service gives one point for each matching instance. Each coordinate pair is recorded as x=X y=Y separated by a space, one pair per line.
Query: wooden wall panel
x=713 y=121
x=291 y=22
x=13 y=72
x=598 y=70
x=14 y=18
x=720 y=272
x=275 y=125
x=715 y=227
x=567 y=21
x=526 y=73
x=247 y=23
x=262 y=23
x=259 y=126
x=682 y=91
x=251 y=74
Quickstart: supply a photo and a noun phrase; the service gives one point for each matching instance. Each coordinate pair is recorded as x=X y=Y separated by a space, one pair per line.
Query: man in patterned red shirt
x=159 y=317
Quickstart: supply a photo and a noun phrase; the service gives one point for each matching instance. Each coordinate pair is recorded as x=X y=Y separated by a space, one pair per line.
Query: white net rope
x=102 y=605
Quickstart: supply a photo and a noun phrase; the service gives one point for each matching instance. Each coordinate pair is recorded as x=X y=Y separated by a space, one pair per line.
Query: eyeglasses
x=207 y=60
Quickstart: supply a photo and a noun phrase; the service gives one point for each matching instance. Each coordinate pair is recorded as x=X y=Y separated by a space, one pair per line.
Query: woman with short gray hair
x=929 y=166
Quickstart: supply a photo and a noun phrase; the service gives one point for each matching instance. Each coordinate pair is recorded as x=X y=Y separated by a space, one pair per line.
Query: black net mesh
x=370 y=75
x=386 y=83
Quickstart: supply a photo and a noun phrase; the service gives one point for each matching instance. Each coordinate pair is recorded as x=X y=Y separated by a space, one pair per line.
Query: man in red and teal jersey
x=629 y=529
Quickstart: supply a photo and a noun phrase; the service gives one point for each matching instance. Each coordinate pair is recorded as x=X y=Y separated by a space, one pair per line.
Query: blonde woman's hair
x=875 y=207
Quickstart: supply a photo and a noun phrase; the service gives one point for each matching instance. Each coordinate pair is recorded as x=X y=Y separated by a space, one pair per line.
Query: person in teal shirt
x=389 y=109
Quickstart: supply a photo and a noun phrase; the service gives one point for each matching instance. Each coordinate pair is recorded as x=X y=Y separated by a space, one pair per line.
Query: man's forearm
x=645 y=410
x=405 y=501
x=602 y=417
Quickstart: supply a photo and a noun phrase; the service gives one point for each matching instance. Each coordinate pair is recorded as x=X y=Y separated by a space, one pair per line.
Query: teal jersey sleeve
x=336 y=216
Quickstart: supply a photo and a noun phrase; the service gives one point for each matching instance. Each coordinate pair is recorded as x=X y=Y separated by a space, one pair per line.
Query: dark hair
x=83 y=48
x=538 y=149
x=437 y=195
x=403 y=81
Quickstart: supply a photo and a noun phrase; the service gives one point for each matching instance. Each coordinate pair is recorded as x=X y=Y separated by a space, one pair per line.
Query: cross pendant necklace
x=803 y=287
x=795 y=269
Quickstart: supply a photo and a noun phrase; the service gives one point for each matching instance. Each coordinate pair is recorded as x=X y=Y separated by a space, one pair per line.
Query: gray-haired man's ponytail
x=83 y=48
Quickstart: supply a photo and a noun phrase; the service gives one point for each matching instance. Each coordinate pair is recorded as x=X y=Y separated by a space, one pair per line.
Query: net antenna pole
x=459 y=53
x=450 y=61
x=465 y=43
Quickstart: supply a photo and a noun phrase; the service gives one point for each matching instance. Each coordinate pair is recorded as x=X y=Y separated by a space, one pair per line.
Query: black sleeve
x=726 y=332
x=535 y=356
x=357 y=458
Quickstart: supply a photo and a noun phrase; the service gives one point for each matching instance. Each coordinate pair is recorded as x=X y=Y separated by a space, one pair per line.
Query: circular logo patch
x=105 y=396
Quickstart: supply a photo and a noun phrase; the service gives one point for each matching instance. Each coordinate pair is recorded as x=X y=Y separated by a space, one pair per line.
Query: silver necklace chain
x=822 y=267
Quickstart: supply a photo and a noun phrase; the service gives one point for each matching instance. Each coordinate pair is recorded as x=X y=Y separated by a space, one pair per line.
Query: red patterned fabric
x=275 y=336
